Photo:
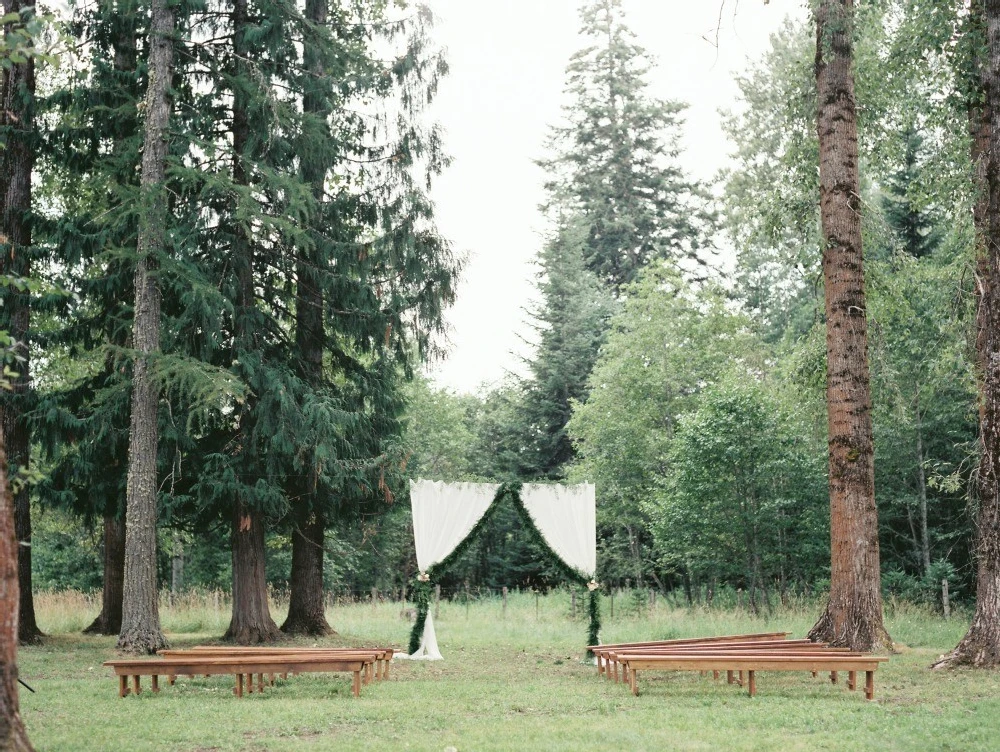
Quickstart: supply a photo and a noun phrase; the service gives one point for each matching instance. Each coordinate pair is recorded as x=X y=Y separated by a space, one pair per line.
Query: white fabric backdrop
x=566 y=517
x=445 y=513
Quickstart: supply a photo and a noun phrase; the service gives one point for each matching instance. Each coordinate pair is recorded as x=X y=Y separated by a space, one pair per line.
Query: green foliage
x=745 y=498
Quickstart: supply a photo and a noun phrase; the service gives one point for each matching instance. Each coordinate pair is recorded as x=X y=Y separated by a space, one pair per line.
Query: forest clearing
x=514 y=682
x=758 y=395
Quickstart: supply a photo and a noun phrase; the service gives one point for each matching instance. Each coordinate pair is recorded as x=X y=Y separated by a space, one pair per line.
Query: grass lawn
x=511 y=682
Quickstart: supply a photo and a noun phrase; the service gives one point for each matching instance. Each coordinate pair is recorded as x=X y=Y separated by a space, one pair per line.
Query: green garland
x=422 y=590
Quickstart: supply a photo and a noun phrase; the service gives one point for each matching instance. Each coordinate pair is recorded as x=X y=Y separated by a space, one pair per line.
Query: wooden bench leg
x=238 y=689
x=614 y=667
x=171 y=679
x=260 y=683
x=122 y=685
x=356 y=685
x=156 y=683
x=715 y=675
x=752 y=677
x=600 y=665
x=833 y=677
x=852 y=680
x=385 y=669
x=869 y=685
x=135 y=684
x=634 y=681
x=729 y=677
x=741 y=679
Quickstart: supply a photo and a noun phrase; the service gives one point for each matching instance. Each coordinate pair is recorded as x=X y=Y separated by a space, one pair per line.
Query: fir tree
x=615 y=159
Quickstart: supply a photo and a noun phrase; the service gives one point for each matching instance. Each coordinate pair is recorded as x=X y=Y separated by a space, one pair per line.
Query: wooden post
x=437 y=601
x=505 y=601
x=945 y=603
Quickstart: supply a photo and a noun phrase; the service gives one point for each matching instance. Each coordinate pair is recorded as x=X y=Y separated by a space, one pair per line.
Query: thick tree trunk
x=980 y=646
x=109 y=621
x=17 y=95
x=853 y=616
x=251 y=622
x=12 y=733
x=306 y=611
x=141 y=631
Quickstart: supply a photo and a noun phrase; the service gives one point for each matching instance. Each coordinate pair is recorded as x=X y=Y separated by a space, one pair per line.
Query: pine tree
x=853 y=616
x=141 y=631
x=614 y=161
x=17 y=157
x=571 y=322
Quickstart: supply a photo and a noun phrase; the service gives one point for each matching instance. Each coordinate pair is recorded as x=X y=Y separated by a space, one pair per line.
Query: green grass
x=511 y=682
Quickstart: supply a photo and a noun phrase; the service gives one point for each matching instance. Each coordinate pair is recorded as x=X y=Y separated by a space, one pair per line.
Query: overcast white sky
x=507 y=60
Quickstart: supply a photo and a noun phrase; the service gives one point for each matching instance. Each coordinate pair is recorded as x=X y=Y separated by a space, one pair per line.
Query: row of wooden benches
x=747 y=653
x=245 y=664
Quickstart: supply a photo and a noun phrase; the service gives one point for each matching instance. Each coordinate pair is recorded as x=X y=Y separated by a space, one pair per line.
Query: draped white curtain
x=566 y=516
x=445 y=513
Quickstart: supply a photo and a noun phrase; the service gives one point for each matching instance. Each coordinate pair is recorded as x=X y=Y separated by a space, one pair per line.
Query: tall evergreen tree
x=18 y=142
x=571 y=322
x=619 y=200
x=614 y=160
x=980 y=646
x=853 y=616
x=140 y=632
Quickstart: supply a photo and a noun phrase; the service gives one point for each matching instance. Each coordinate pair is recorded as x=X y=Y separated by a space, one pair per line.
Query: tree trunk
x=141 y=631
x=306 y=611
x=980 y=646
x=251 y=623
x=17 y=95
x=12 y=733
x=853 y=616
x=925 y=542
x=109 y=621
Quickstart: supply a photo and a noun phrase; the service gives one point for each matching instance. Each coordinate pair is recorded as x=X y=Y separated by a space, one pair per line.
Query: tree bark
x=12 y=732
x=306 y=612
x=251 y=622
x=853 y=616
x=141 y=631
x=17 y=97
x=980 y=647
x=109 y=621
x=306 y=608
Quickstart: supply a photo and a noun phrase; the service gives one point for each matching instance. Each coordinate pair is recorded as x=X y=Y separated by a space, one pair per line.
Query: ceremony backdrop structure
x=447 y=517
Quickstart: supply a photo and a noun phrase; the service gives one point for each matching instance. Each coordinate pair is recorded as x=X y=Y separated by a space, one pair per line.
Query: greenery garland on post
x=422 y=588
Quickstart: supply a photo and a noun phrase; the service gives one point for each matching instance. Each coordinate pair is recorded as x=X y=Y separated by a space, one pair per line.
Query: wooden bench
x=240 y=667
x=606 y=654
x=752 y=637
x=382 y=656
x=819 y=660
